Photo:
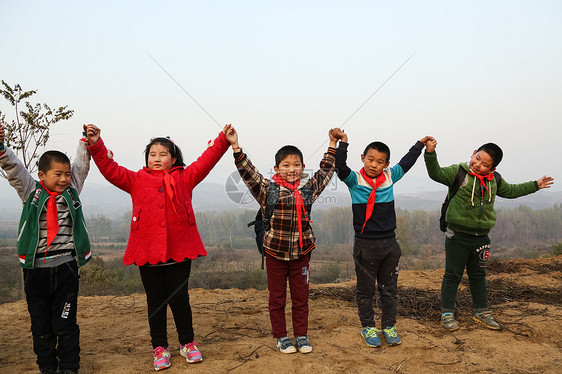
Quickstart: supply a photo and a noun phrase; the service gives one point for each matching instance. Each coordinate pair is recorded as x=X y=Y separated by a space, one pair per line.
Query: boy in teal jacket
x=52 y=243
x=470 y=216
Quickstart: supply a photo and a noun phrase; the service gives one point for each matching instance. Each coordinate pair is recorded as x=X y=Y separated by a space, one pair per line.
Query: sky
x=285 y=72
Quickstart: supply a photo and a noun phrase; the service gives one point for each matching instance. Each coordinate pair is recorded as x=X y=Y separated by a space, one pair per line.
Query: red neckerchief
x=170 y=185
x=298 y=201
x=371 y=201
x=52 y=217
x=481 y=178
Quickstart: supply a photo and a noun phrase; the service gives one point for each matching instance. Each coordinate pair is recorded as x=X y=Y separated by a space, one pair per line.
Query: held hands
x=545 y=182
x=430 y=145
x=425 y=139
x=232 y=137
x=338 y=134
x=92 y=133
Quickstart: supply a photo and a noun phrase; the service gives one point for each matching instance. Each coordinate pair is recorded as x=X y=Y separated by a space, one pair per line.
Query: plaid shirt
x=281 y=241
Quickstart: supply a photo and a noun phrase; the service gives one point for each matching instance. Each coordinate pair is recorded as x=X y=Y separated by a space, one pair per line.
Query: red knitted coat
x=158 y=232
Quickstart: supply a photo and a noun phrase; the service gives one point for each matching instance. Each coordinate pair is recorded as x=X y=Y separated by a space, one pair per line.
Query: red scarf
x=371 y=201
x=298 y=201
x=481 y=178
x=52 y=217
x=170 y=185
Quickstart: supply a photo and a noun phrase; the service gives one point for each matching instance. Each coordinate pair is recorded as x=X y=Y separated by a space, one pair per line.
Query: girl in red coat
x=164 y=237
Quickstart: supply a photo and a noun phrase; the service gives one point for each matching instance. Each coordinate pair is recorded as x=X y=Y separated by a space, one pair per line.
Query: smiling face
x=159 y=158
x=57 y=178
x=481 y=163
x=374 y=162
x=290 y=168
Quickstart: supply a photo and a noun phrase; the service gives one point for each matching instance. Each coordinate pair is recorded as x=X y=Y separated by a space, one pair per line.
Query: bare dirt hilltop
x=232 y=327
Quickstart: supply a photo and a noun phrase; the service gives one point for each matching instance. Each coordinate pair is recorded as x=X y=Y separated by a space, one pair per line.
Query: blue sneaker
x=371 y=336
x=391 y=336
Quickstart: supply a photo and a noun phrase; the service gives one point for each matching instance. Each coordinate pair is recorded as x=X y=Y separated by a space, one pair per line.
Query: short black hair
x=288 y=150
x=172 y=148
x=494 y=151
x=48 y=157
x=378 y=146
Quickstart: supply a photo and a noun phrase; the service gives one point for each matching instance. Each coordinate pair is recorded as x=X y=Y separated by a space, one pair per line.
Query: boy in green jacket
x=52 y=243
x=470 y=216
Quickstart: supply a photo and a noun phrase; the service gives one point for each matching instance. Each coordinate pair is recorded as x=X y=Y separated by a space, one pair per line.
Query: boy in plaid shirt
x=289 y=238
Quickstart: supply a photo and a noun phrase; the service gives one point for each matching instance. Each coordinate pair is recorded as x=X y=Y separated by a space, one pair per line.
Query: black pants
x=51 y=295
x=376 y=260
x=168 y=285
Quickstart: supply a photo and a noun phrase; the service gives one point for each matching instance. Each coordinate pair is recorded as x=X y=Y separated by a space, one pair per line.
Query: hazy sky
x=284 y=72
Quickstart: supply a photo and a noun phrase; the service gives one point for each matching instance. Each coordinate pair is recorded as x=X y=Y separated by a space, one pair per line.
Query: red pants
x=298 y=274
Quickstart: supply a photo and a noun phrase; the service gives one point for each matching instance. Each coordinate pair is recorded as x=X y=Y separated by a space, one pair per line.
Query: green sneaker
x=448 y=322
x=485 y=318
x=371 y=336
x=391 y=336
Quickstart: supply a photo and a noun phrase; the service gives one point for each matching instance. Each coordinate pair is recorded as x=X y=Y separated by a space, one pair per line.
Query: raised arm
x=327 y=165
x=81 y=164
x=342 y=169
x=200 y=168
x=18 y=176
x=115 y=174
x=444 y=175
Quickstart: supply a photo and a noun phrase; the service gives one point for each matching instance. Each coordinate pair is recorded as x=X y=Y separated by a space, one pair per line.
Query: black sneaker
x=303 y=344
x=285 y=345
x=48 y=371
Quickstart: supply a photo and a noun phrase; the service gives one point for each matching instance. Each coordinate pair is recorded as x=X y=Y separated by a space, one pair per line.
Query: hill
x=232 y=327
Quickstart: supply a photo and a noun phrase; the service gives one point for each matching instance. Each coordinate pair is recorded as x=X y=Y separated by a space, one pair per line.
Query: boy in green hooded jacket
x=470 y=216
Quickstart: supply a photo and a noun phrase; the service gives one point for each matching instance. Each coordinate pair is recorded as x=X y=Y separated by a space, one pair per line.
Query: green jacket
x=468 y=211
x=28 y=236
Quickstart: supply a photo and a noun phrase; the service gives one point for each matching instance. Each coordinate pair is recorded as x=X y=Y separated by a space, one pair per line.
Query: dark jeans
x=51 y=295
x=168 y=285
x=297 y=271
x=376 y=260
x=472 y=252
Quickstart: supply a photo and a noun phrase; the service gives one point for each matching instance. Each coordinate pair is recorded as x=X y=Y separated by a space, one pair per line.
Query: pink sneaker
x=191 y=353
x=161 y=358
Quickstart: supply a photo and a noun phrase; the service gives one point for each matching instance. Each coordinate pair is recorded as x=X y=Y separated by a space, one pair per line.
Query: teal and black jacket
x=382 y=222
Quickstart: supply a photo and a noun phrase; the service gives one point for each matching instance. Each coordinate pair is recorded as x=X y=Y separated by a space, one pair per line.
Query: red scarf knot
x=299 y=202
x=371 y=201
x=482 y=179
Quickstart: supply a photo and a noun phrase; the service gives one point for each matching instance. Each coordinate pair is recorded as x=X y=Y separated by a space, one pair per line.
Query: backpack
x=263 y=216
x=453 y=190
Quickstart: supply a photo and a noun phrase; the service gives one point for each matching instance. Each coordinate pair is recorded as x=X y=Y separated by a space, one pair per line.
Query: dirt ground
x=233 y=330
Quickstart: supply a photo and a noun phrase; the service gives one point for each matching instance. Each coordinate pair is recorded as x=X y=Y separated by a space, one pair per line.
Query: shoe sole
x=288 y=350
x=451 y=329
x=305 y=350
x=191 y=361
x=162 y=368
x=486 y=325
x=393 y=344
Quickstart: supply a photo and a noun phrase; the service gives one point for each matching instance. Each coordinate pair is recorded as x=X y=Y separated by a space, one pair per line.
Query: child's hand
x=92 y=133
x=545 y=182
x=430 y=145
x=339 y=134
x=231 y=135
x=425 y=139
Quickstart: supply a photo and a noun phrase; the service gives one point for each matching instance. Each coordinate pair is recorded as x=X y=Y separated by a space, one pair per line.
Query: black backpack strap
x=461 y=173
x=457 y=183
x=270 y=202
x=498 y=178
